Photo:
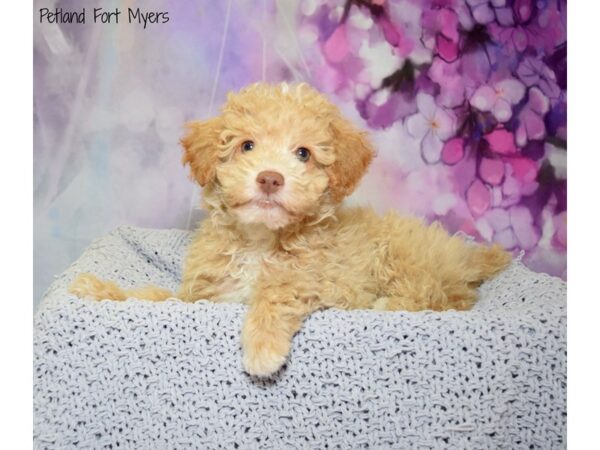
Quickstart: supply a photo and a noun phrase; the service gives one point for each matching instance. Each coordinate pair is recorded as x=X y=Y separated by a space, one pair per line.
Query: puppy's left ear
x=353 y=154
x=201 y=148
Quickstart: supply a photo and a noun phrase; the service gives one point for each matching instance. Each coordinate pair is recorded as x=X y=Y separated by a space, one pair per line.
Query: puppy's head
x=276 y=155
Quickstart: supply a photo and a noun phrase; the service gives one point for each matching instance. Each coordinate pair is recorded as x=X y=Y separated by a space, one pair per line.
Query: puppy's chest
x=241 y=275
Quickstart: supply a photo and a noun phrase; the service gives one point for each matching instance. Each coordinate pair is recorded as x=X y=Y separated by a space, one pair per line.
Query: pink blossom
x=432 y=125
x=523 y=10
x=447 y=48
x=391 y=33
x=501 y=141
x=523 y=169
x=336 y=47
x=499 y=98
x=442 y=21
x=442 y=24
x=491 y=170
x=478 y=197
x=520 y=179
x=453 y=151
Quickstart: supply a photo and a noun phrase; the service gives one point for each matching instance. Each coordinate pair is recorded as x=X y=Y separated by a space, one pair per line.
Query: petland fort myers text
x=103 y=15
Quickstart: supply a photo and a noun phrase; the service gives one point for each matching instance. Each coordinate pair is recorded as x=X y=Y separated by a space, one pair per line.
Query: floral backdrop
x=464 y=99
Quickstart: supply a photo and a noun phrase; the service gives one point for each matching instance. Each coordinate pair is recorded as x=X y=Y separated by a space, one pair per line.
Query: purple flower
x=557 y=62
x=531 y=118
x=382 y=108
x=483 y=10
x=432 y=125
x=527 y=26
x=533 y=72
x=441 y=25
x=451 y=82
x=474 y=88
x=499 y=98
x=511 y=228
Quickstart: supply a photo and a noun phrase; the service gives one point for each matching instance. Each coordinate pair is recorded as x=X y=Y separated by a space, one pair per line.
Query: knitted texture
x=138 y=374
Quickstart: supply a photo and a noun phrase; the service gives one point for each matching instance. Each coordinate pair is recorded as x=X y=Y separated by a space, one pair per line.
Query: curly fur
x=298 y=250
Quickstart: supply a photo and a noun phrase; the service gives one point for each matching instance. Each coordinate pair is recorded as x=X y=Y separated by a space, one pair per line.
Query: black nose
x=269 y=181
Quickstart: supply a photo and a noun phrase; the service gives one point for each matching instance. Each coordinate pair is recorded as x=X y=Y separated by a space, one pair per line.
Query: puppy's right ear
x=201 y=148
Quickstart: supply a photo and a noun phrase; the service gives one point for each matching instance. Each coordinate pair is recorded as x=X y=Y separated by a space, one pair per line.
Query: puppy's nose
x=269 y=181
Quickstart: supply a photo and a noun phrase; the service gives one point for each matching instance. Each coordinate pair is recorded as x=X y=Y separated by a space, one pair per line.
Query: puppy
x=275 y=166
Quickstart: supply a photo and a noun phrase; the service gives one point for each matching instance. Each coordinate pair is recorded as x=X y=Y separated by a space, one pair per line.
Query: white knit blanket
x=142 y=375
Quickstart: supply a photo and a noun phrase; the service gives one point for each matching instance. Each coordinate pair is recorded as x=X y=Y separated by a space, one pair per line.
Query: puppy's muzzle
x=270 y=181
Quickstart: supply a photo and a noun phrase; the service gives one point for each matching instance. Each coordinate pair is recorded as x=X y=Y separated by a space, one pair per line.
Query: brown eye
x=303 y=154
x=247 y=146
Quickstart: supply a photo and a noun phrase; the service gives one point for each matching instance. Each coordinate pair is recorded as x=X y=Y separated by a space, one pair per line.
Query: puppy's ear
x=353 y=154
x=201 y=148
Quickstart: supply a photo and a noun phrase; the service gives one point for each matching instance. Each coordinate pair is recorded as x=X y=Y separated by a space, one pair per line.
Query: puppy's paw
x=89 y=286
x=263 y=364
x=264 y=356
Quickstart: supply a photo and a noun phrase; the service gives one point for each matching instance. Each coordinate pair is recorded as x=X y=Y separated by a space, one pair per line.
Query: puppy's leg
x=487 y=261
x=450 y=284
x=274 y=316
x=204 y=273
x=196 y=285
x=460 y=280
x=88 y=285
x=412 y=290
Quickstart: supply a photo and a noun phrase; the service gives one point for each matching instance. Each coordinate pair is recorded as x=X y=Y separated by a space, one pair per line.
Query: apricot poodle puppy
x=275 y=166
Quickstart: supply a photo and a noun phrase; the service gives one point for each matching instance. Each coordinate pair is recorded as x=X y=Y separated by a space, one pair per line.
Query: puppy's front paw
x=263 y=363
x=264 y=354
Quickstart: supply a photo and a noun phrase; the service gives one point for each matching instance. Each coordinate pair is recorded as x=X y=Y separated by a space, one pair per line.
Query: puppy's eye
x=303 y=154
x=247 y=146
